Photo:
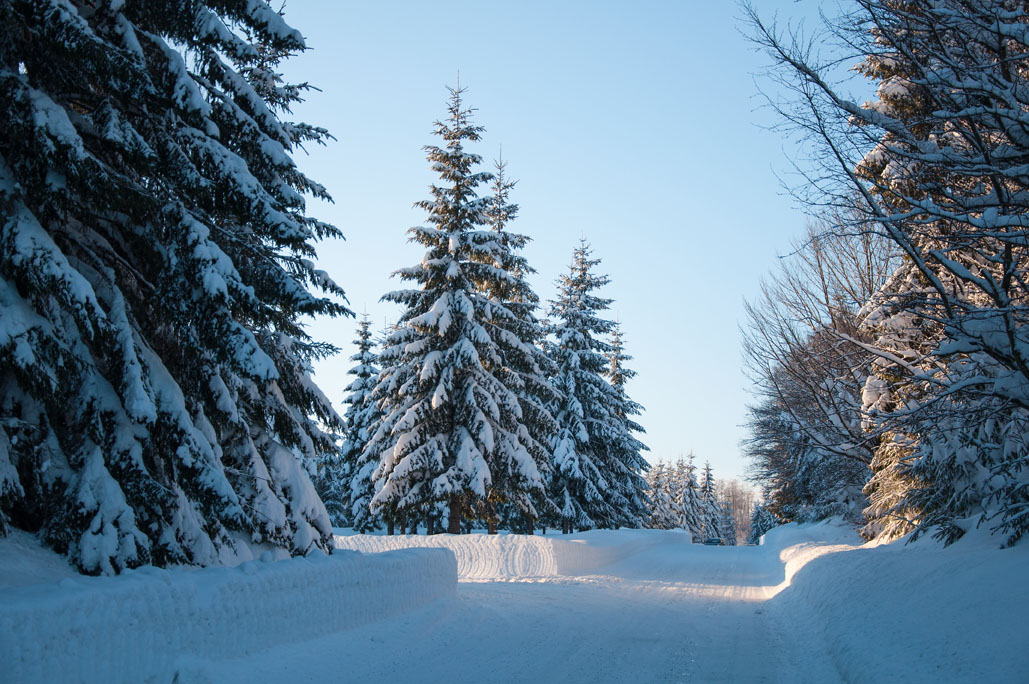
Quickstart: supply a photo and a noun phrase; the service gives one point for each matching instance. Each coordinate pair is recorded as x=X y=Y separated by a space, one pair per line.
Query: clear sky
x=636 y=125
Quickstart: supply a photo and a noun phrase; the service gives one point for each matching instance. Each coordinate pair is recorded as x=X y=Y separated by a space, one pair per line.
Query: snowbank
x=145 y=624
x=906 y=613
x=23 y=560
x=513 y=556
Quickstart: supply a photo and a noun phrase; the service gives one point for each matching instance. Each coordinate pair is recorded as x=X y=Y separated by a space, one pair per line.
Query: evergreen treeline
x=679 y=500
x=893 y=360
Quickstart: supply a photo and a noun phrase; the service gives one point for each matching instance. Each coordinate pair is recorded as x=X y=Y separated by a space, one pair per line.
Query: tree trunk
x=430 y=525
x=403 y=524
x=455 y=514
x=389 y=527
x=491 y=518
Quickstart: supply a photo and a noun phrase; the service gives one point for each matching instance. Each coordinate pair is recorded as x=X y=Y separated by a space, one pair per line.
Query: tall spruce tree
x=453 y=429
x=626 y=451
x=589 y=484
x=527 y=373
x=156 y=404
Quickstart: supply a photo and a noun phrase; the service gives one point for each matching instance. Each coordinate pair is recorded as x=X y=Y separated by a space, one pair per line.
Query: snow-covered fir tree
x=379 y=441
x=342 y=485
x=761 y=520
x=332 y=483
x=663 y=513
x=156 y=404
x=726 y=524
x=351 y=485
x=674 y=489
x=689 y=500
x=596 y=478
x=709 y=509
x=626 y=449
x=527 y=371
x=453 y=430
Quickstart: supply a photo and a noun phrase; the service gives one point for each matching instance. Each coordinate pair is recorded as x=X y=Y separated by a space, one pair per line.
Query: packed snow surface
x=810 y=605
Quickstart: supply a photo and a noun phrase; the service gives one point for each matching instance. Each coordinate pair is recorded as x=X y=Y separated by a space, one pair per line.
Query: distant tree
x=663 y=514
x=710 y=510
x=726 y=524
x=690 y=501
x=453 y=430
x=156 y=401
x=739 y=500
x=352 y=487
x=761 y=520
x=676 y=484
x=332 y=483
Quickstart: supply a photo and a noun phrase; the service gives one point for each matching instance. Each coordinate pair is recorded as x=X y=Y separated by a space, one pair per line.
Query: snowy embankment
x=146 y=624
x=907 y=612
x=502 y=556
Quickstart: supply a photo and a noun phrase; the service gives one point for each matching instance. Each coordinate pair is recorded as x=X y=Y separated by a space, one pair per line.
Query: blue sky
x=635 y=125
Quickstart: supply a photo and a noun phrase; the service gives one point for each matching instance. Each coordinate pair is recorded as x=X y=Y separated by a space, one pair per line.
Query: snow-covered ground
x=810 y=605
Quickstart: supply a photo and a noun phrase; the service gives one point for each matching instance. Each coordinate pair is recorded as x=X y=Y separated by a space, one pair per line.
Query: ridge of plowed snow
x=908 y=613
x=503 y=556
x=145 y=624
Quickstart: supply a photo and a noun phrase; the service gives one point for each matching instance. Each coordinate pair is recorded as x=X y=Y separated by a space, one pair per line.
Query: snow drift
x=145 y=624
x=905 y=612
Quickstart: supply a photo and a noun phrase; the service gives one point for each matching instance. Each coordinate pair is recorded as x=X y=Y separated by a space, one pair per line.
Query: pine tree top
x=574 y=312
x=455 y=207
x=618 y=374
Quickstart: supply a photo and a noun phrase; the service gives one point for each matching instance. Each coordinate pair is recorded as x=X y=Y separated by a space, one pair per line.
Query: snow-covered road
x=666 y=612
x=811 y=605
